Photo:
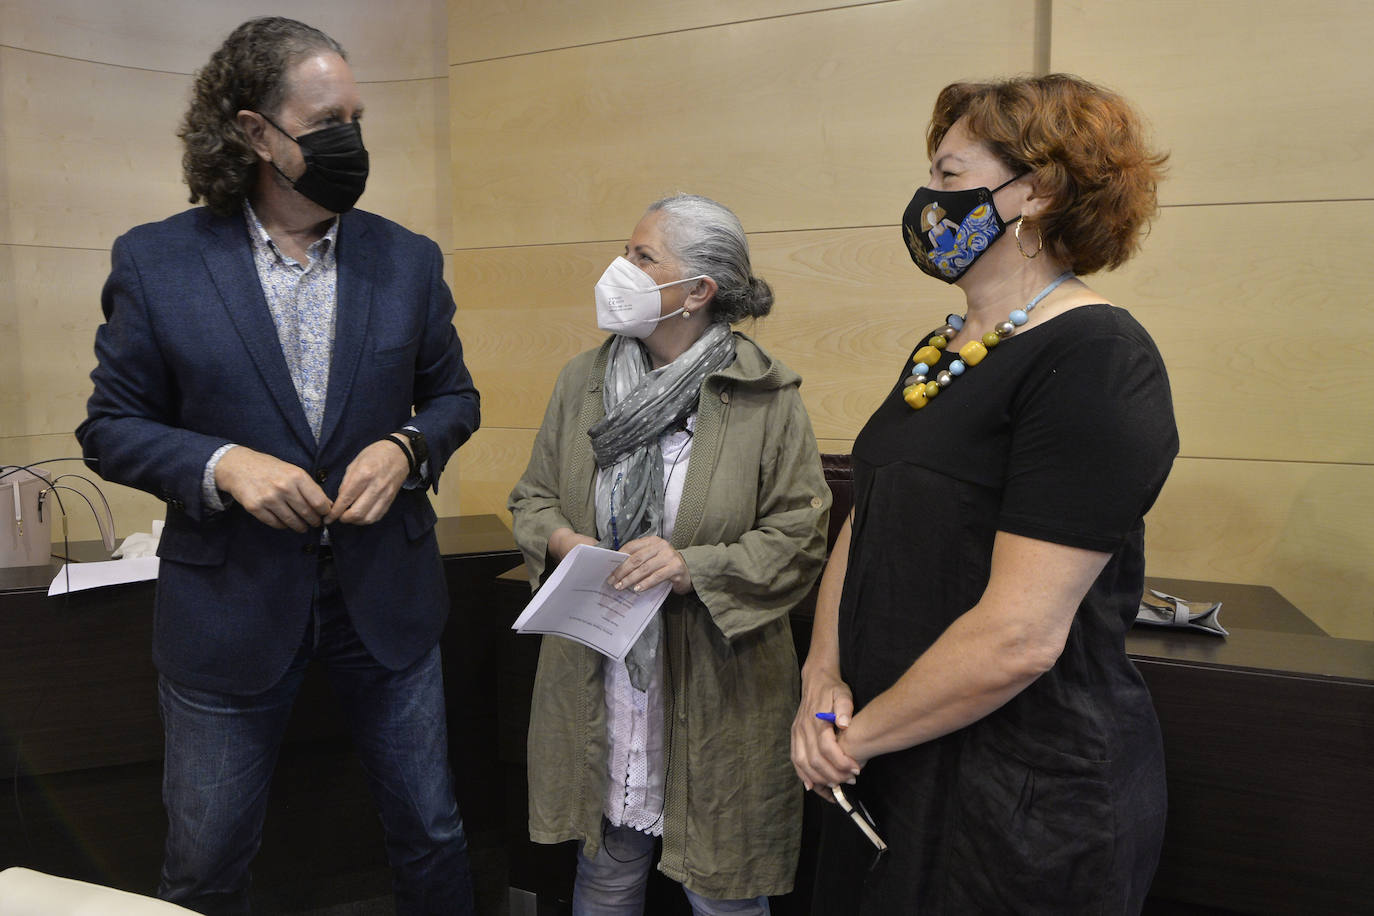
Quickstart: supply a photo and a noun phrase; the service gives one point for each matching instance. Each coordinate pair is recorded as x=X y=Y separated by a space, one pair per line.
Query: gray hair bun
x=707 y=238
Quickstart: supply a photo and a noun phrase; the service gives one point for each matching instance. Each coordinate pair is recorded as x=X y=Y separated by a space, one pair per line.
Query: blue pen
x=826 y=717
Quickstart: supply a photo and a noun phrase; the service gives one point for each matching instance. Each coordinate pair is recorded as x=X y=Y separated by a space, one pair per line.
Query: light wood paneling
x=1257 y=101
x=499 y=28
x=849 y=307
x=1300 y=528
x=492 y=462
x=88 y=150
x=405 y=128
x=1261 y=313
x=407 y=41
x=807 y=121
x=49 y=310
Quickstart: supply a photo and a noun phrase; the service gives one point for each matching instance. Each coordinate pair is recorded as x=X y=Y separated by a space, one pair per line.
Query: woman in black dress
x=969 y=637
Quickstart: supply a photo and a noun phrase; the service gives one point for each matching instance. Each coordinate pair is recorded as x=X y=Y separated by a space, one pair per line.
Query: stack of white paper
x=578 y=602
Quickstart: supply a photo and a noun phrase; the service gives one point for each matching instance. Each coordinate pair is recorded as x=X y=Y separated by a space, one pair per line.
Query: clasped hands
x=282 y=495
x=819 y=752
x=651 y=560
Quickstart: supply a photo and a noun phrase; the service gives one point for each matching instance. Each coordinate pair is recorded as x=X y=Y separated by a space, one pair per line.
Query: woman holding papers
x=685 y=446
x=969 y=633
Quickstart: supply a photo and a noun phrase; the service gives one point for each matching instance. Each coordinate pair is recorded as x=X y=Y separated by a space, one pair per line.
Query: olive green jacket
x=751 y=528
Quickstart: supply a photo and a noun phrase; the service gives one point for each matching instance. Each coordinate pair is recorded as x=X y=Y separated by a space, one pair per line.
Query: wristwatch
x=419 y=448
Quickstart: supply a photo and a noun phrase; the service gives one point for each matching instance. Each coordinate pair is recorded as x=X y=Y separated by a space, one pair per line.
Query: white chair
x=24 y=892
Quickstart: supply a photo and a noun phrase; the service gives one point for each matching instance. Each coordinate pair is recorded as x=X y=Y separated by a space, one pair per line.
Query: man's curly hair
x=248 y=72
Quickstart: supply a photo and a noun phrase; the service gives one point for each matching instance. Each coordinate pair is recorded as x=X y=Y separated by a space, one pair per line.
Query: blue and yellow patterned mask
x=946 y=231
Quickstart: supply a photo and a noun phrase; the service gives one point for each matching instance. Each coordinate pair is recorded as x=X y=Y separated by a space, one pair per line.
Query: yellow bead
x=928 y=355
x=972 y=353
x=915 y=396
x=938 y=342
x=990 y=339
x=932 y=389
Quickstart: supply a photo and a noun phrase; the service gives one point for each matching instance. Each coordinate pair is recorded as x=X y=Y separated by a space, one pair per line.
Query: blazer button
x=321 y=474
x=725 y=396
x=308 y=548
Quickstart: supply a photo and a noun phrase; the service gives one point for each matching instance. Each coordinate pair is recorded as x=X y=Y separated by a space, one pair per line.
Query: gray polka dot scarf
x=641 y=405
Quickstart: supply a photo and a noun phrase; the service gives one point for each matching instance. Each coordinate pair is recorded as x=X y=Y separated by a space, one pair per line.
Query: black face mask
x=335 y=165
x=946 y=231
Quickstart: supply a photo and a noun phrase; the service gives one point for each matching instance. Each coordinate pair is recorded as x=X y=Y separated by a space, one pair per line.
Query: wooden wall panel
x=405 y=127
x=49 y=311
x=802 y=122
x=493 y=461
x=406 y=42
x=1260 y=313
x=1300 y=528
x=89 y=149
x=502 y=28
x=1258 y=102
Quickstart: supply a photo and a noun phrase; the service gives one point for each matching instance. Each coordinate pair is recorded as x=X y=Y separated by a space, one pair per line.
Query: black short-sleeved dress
x=1054 y=803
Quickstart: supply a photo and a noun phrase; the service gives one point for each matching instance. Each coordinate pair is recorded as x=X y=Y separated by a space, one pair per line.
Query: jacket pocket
x=389 y=354
x=194 y=546
x=419 y=517
x=1033 y=830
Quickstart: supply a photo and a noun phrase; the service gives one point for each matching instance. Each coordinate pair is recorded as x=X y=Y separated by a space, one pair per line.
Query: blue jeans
x=222 y=749
x=614 y=881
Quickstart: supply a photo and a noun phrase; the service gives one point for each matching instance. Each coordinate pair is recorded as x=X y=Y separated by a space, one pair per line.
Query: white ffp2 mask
x=628 y=302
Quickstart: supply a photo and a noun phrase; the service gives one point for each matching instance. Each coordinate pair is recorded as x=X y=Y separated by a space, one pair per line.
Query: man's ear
x=255 y=128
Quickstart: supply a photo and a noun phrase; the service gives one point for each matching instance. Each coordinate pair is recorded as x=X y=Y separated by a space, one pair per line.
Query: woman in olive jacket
x=742 y=540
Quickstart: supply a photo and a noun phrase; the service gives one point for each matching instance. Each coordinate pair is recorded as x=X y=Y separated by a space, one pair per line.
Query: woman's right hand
x=563 y=540
x=816 y=754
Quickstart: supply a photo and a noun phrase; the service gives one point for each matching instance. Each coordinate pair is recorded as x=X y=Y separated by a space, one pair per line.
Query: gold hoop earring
x=1039 y=238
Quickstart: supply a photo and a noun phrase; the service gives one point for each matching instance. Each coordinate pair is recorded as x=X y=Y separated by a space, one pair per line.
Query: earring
x=687 y=314
x=1039 y=238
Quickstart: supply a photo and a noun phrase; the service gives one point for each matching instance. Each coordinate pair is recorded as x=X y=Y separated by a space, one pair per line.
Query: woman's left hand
x=652 y=560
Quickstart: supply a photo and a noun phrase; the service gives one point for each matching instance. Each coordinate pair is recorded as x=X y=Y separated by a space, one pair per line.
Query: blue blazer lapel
x=357 y=265
x=229 y=260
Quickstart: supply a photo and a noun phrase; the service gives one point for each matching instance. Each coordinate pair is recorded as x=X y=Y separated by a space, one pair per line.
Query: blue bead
x=955 y=322
x=1018 y=317
x=920 y=369
x=957 y=367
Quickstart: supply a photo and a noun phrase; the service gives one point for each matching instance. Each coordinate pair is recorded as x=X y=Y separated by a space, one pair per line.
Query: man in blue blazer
x=283 y=371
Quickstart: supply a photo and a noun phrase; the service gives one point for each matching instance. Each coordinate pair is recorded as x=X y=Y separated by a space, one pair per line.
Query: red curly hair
x=1085 y=149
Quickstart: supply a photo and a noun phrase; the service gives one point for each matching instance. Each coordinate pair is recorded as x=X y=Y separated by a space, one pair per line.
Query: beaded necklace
x=919 y=388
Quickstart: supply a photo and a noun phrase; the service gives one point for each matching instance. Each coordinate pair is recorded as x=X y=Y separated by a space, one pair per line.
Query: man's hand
x=275 y=493
x=369 y=485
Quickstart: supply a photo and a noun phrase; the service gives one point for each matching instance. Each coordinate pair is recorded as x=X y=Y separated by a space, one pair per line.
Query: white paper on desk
x=107 y=572
x=577 y=602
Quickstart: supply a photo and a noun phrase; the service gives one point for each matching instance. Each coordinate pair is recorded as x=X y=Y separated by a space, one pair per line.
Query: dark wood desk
x=81 y=744
x=1269 y=738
